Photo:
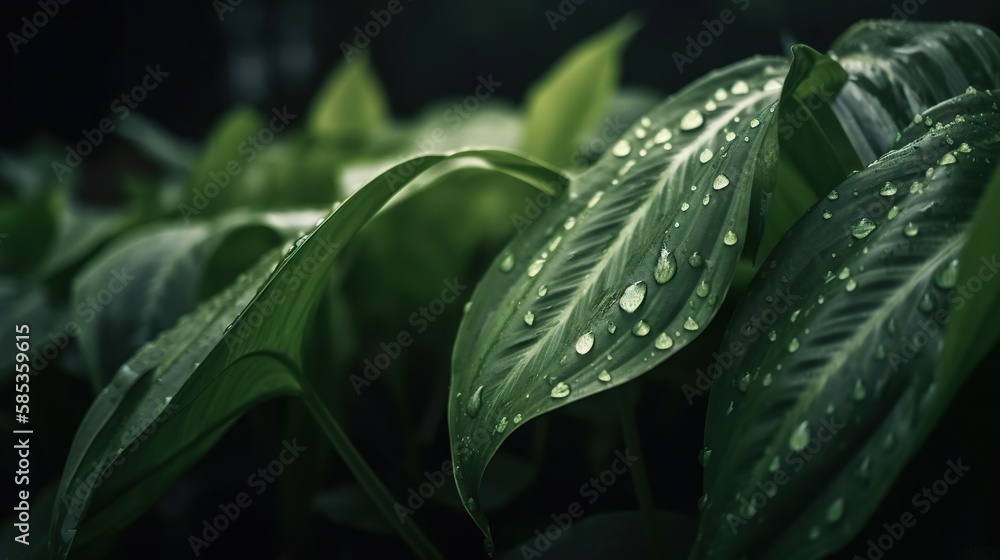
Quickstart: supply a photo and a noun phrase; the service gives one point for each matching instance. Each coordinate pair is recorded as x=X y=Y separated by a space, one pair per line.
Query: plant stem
x=367 y=478
x=640 y=478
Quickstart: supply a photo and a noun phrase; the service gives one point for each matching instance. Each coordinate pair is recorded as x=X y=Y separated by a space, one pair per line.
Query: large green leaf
x=168 y=404
x=147 y=280
x=612 y=281
x=899 y=69
x=828 y=379
x=571 y=100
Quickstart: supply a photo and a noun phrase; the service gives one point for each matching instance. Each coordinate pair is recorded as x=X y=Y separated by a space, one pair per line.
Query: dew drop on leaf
x=585 y=343
x=561 y=390
x=621 y=148
x=633 y=296
x=666 y=267
x=663 y=341
x=692 y=120
x=800 y=437
x=721 y=182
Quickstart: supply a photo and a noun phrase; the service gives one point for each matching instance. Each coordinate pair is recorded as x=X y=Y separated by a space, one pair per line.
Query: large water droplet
x=740 y=88
x=621 y=148
x=641 y=328
x=910 y=229
x=666 y=267
x=529 y=318
x=690 y=324
x=794 y=345
x=604 y=376
x=730 y=238
x=888 y=189
x=800 y=437
x=502 y=425
x=744 y=382
x=767 y=380
x=475 y=401
x=705 y=156
x=833 y=195
x=662 y=136
x=663 y=341
x=851 y=285
x=862 y=228
x=561 y=390
x=721 y=182
x=585 y=343
x=542 y=290
x=633 y=296
x=706 y=199
x=702 y=289
x=946 y=277
x=947 y=159
x=695 y=260
x=692 y=120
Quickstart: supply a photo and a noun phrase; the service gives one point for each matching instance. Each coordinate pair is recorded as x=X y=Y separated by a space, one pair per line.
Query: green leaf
x=573 y=97
x=227 y=150
x=552 y=321
x=829 y=379
x=899 y=69
x=350 y=104
x=168 y=404
x=147 y=280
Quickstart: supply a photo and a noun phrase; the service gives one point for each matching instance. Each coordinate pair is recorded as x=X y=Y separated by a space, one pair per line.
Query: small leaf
x=573 y=97
x=350 y=104
x=225 y=151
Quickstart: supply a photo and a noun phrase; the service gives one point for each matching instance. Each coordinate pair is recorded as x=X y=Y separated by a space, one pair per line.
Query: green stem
x=367 y=478
x=640 y=478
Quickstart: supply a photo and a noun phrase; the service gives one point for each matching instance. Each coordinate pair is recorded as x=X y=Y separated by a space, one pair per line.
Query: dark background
x=269 y=53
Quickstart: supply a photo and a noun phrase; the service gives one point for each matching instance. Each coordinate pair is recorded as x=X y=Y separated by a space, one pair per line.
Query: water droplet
x=695 y=260
x=535 y=268
x=744 y=383
x=772 y=336
x=604 y=376
x=916 y=187
x=690 y=324
x=910 y=229
x=833 y=195
x=964 y=148
x=754 y=123
x=702 y=289
x=946 y=277
x=570 y=222
x=862 y=228
x=800 y=437
x=705 y=156
x=625 y=168
x=692 y=120
x=710 y=105
x=561 y=390
x=542 y=290
x=893 y=212
x=475 y=401
x=772 y=84
x=888 y=189
x=507 y=262
x=814 y=533
x=529 y=318
x=740 y=88
x=721 y=182
x=663 y=341
x=706 y=199
x=517 y=418
x=880 y=352
x=827 y=214
x=585 y=343
x=633 y=296
x=793 y=346
x=720 y=95
x=775 y=464
x=621 y=148
x=666 y=267
x=926 y=303
x=685 y=206
x=859 y=390
x=730 y=238
x=730 y=136
x=947 y=159
x=767 y=380
x=851 y=285
x=641 y=328
x=502 y=425
x=662 y=136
